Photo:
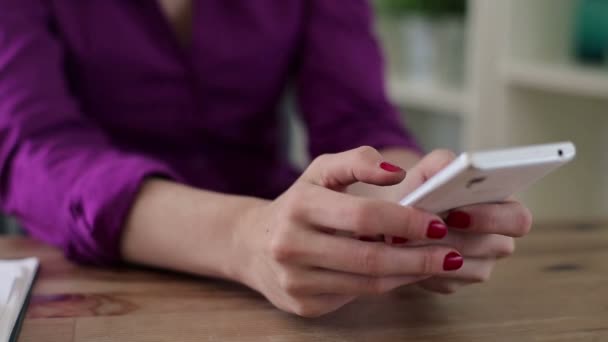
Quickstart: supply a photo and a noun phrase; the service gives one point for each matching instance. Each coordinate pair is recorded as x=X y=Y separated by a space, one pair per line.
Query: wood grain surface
x=555 y=288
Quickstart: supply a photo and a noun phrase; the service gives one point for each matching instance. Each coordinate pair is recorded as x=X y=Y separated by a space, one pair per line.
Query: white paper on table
x=6 y=286
x=16 y=277
x=13 y=308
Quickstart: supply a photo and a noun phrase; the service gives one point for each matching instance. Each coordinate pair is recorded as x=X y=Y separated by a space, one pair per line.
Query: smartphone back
x=490 y=176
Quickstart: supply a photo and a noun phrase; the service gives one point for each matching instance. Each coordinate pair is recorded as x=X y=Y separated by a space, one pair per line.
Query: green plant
x=431 y=8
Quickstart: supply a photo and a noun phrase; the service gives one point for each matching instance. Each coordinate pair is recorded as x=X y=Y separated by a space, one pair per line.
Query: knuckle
x=370 y=260
x=281 y=249
x=292 y=208
x=428 y=260
x=289 y=283
x=448 y=288
x=524 y=222
x=507 y=248
x=320 y=160
x=492 y=222
x=282 y=279
x=485 y=276
x=482 y=276
x=461 y=244
x=304 y=309
x=414 y=223
x=444 y=154
x=365 y=152
x=361 y=217
x=382 y=286
x=317 y=169
x=374 y=285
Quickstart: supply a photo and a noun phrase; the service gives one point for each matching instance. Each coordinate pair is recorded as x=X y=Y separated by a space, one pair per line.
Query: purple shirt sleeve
x=58 y=172
x=340 y=85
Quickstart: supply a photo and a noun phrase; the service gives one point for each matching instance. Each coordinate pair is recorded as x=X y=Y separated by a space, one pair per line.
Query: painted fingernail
x=437 y=230
x=458 y=219
x=397 y=240
x=452 y=261
x=390 y=167
x=367 y=238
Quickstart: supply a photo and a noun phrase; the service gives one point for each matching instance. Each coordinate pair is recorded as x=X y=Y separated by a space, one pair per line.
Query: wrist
x=178 y=227
x=243 y=239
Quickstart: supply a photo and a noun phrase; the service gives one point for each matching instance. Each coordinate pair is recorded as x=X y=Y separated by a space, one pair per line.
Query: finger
x=508 y=218
x=366 y=216
x=474 y=271
x=427 y=168
x=441 y=286
x=474 y=245
x=310 y=281
x=364 y=164
x=317 y=305
x=373 y=259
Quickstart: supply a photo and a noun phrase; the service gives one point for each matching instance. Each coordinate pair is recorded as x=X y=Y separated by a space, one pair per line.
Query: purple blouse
x=97 y=95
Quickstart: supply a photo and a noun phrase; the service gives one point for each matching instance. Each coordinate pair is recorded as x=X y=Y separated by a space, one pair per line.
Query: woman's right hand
x=289 y=251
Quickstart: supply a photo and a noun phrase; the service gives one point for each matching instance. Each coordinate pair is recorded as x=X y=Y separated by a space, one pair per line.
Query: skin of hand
x=288 y=251
x=482 y=233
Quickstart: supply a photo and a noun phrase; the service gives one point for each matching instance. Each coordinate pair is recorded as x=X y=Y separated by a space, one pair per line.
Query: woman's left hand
x=483 y=233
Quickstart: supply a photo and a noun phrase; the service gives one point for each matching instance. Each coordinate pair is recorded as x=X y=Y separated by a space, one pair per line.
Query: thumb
x=427 y=168
x=364 y=164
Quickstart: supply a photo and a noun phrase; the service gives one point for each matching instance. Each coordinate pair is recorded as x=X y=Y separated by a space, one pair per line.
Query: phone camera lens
x=560 y=152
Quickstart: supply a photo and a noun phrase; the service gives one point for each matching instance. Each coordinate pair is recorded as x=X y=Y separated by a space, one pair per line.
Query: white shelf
x=514 y=45
x=558 y=78
x=428 y=96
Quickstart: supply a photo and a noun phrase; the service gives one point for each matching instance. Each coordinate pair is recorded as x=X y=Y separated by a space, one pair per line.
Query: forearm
x=405 y=158
x=177 y=227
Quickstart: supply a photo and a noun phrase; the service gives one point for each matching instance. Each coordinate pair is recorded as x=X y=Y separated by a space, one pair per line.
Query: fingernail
x=390 y=167
x=437 y=230
x=367 y=238
x=458 y=219
x=452 y=261
x=398 y=240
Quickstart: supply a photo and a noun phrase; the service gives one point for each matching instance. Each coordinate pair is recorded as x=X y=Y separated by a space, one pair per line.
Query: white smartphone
x=488 y=176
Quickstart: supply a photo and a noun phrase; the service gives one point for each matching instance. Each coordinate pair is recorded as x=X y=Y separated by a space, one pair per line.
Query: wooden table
x=555 y=288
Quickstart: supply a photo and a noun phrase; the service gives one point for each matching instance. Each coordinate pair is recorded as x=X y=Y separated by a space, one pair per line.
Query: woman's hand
x=295 y=252
x=482 y=233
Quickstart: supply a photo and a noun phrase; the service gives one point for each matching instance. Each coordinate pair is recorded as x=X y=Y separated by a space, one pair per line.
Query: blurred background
x=474 y=74
x=490 y=73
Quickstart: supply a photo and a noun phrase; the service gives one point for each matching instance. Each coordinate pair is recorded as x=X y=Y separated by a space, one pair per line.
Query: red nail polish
x=452 y=261
x=367 y=238
x=390 y=167
x=458 y=219
x=398 y=240
x=437 y=230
